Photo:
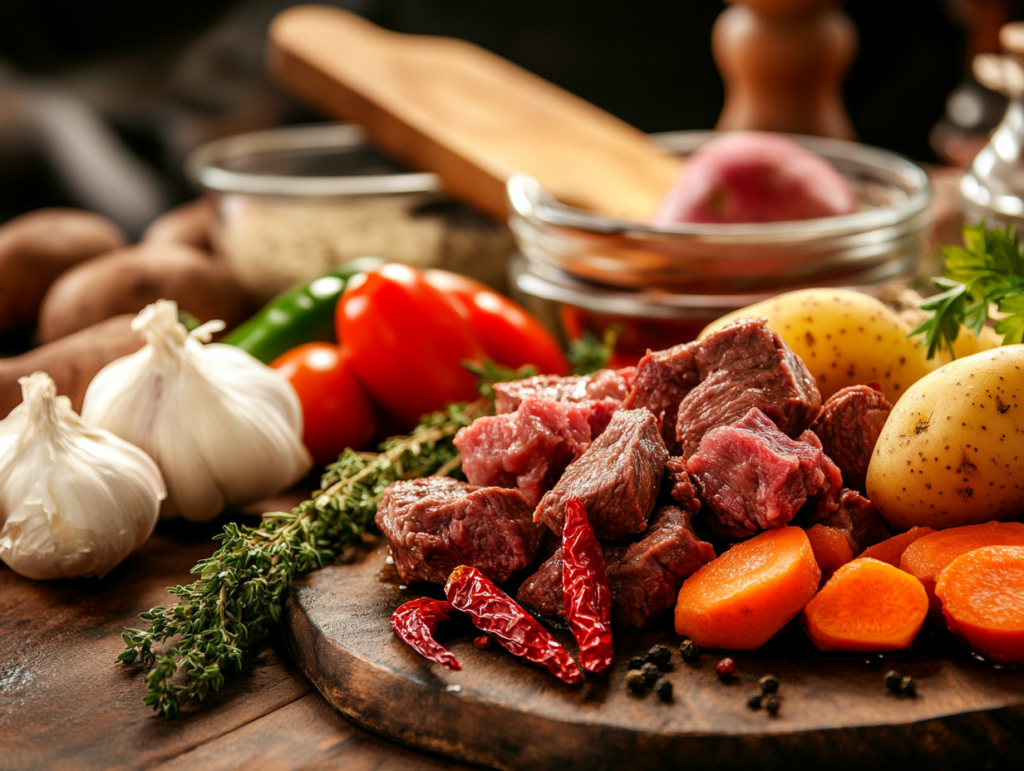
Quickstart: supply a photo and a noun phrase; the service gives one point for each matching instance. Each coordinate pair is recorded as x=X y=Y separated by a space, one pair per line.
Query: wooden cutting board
x=506 y=714
x=473 y=118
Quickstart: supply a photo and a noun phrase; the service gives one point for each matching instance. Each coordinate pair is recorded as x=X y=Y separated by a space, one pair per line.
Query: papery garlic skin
x=74 y=500
x=223 y=427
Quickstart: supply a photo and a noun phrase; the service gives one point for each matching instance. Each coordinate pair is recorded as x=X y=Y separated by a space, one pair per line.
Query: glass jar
x=660 y=286
x=295 y=202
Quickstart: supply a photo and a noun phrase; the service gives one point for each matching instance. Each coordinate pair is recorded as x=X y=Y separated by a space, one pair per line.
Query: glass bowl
x=661 y=285
x=295 y=202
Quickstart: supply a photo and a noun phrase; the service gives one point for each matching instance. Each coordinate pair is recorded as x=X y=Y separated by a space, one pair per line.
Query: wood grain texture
x=473 y=118
x=64 y=703
x=506 y=714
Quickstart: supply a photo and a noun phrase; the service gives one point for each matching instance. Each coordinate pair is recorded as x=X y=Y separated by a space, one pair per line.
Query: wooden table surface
x=64 y=703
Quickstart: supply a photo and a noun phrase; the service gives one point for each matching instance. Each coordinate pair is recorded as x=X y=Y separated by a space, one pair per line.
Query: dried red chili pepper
x=502 y=618
x=415 y=624
x=588 y=600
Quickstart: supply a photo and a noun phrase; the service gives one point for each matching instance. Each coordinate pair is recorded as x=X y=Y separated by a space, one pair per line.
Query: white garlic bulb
x=74 y=500
x=223 y=427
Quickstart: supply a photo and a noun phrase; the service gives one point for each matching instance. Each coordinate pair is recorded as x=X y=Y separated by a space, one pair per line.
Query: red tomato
x=408 y=342
x=336 y=411
x=508 y=333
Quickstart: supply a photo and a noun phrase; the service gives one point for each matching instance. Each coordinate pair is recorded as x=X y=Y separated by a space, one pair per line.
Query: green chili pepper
x=303 y=314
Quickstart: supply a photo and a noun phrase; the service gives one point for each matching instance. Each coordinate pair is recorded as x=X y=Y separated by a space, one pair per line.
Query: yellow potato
x=952 y=451
x=844 y=337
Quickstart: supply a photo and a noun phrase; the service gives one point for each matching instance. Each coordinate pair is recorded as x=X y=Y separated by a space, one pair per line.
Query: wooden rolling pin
x=471 y=117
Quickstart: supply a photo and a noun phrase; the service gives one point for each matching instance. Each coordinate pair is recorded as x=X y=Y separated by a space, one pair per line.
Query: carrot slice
x=982 y=594
x=742 y=598
x=891 y=550
x=831 y=548
x=926 y=557
x=867 y=606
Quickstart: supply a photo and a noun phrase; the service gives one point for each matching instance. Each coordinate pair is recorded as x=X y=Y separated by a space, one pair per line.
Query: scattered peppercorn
x=908 y=687
x=636 y=662
x=664 y=690
x=892 y=680
x=754 y=700
x=769 y=684
x=635 y=681
x=483 y=641
x=650 y=673
x=660 y=656
x=725 y=668
x=772 y=703
x=689 y=650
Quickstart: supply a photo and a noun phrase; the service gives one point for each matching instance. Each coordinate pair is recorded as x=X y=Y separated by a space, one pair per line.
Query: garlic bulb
x=74 y=500
x=223 y=427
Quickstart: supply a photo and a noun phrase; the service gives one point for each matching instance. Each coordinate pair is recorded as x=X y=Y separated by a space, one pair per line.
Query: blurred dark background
x=100 y=101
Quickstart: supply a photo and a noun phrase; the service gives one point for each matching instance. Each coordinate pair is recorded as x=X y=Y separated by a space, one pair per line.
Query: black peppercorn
x=635 y=681
x=636 y=662
x=664 y=690
x=660 y=656
x=754 y=700
x=650 y=673
x=892 y=680
x=769 y=684
x=689 y=650
x=908 y=687
x=772 y=703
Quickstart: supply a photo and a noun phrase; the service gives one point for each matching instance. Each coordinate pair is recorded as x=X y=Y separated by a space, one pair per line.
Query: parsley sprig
x=987 y=271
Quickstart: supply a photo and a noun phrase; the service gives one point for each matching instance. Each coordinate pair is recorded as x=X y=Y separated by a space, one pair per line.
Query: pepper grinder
x=993 y=188
x=783 y=63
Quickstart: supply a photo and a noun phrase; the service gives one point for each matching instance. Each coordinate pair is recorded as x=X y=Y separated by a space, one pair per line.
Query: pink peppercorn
x=725 y=668
x=483 y=641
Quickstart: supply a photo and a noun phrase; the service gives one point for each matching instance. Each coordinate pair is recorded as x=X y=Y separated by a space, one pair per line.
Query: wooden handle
x=471 y=117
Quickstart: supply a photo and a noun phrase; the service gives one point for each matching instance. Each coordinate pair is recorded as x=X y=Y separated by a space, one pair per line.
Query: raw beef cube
x=848 y=427
x=617 y=478
x=712 y=382
x=531 y=447
x=663 y=378
x=433 y=525
x=603 y=384
x=644 y=576
x=682 y=489
x=857 y=518
x=743 y=366
x=751 y=476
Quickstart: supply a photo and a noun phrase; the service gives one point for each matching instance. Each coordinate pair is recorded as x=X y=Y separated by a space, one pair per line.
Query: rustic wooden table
x=64 y=703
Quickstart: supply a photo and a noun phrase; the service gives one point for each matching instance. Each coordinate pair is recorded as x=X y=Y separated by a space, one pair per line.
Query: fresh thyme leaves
x=988 y=271
x=240 y=589
x=588 y=354
x=490 y=372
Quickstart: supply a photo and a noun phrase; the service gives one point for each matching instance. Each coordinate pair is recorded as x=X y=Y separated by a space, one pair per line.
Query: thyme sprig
x=988 y=271
x=240 y=590
x=588 y=354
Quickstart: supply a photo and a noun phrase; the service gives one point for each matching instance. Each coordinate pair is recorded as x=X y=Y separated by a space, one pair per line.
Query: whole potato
x=844 y=337
x=37 y=247
x=72 y=361
x=190 y=223
x=129 y=279
x=952 y=450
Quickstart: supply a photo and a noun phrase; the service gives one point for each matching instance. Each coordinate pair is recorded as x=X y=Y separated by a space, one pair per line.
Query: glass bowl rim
x=528 y=200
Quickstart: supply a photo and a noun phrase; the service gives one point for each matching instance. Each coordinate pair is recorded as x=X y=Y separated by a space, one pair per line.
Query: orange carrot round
x=891 y=550
x=831 y=548
x=742 y=598
x=867 y=606
x=926 y=557
x=982 y=595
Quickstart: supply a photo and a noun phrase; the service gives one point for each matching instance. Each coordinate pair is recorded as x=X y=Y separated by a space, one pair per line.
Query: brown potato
x=190 y=223
x=72 y=362
x=129 y=279
x=37 y=247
